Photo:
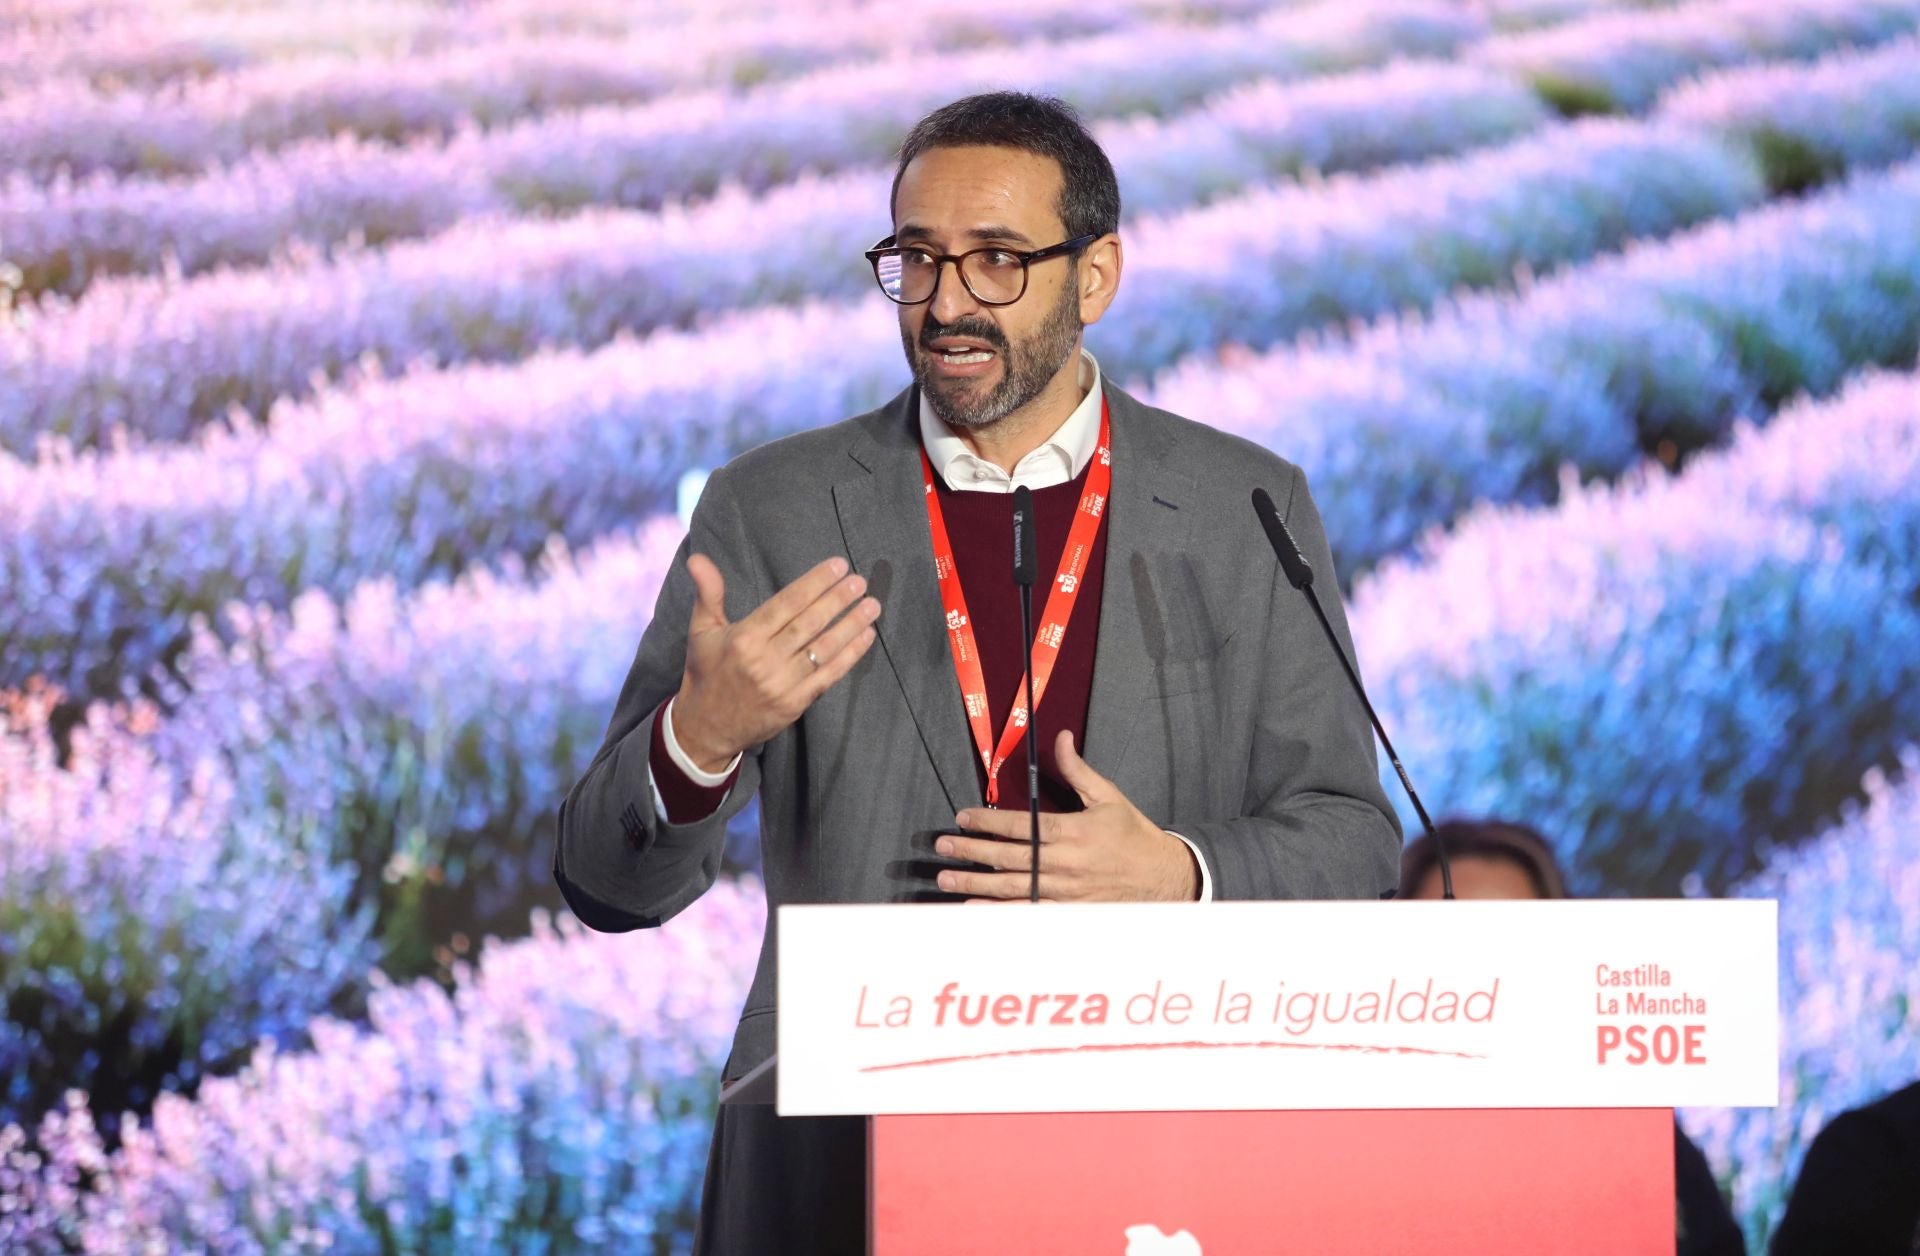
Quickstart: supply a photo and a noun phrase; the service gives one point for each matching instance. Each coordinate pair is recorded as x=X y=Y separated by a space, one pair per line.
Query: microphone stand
x=1033 y=748
x=1025 y=573
x=1299 y=574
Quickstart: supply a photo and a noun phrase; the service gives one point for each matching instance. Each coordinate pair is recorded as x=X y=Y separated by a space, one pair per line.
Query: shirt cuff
x=682 y=793
x=683 y=761
x=1206 y=877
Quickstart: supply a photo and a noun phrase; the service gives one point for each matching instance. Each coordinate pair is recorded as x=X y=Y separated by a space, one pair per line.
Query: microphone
x=1026 y=571
x=1026 y=567
x=1299 y=573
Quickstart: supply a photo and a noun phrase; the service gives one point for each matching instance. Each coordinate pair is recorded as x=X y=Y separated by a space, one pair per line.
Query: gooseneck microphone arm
x=1026 y=571
x=1300 y=575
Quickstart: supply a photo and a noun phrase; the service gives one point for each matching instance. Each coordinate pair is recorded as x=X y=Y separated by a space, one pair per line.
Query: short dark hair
x=1045 y=125
x=1506 y=840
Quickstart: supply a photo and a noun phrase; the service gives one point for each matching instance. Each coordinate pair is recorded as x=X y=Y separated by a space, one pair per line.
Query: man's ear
x=1100 y=269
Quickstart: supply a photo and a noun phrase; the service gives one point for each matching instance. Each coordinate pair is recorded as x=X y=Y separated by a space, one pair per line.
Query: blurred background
x=358 y=363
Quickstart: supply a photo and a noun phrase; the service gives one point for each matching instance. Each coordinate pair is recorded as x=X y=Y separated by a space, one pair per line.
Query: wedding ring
x=812 y=659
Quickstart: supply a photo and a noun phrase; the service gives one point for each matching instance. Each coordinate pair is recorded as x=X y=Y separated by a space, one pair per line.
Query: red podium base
x=1489 y=1183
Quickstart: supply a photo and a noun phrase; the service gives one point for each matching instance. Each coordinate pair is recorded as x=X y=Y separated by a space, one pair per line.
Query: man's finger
x=992 y=852
x=828 y=645
x=991 y=885
x=1009 y=824
x=833 y=668
x=709 y=594
x=813 y=619
x=774 y=614
x=1092 y=787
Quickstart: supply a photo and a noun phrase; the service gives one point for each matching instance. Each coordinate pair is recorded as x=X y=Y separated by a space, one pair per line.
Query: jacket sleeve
x=1315 y=822
x=619 y=863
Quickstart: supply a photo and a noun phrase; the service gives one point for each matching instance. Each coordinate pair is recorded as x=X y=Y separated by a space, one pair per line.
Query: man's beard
x=1026 y=369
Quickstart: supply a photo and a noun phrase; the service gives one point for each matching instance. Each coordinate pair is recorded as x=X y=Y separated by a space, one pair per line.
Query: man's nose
x=951 y=300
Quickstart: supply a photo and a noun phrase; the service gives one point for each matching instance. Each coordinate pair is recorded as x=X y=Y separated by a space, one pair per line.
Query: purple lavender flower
x=1623 y=60
x=65 y=235
x=166 y=357
x=64 y=126
x=154 y=931
x=1809 y=123
x=1408 y=425
x=1523 y=658
x=565 y=1088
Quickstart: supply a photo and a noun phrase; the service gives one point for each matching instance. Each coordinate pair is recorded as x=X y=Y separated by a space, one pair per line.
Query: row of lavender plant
x=165 y=359
x=649 y=155
x=317 y=498
x=427 y=474
x=1655 y=352
x=1849 y=999
x=65 y=128
x=184 y=885
x=152 y=931
x=376 y=719
x=1648 y=671
x=1265 y=266
x=145 y=50
x=1623 y=60
x=860 y=107
x=560 y=1099
x=61 y=238
x=1810 y=123
x=322 y=194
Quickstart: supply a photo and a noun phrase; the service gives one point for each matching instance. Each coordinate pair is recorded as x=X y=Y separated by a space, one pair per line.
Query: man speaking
x=841 y=633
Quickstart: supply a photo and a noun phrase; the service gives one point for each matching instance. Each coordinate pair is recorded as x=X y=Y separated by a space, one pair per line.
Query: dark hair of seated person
x=1490 y=844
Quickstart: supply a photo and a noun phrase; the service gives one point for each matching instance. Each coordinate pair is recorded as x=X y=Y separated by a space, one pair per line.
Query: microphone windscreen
x=1292 y=561
x=1026 y=566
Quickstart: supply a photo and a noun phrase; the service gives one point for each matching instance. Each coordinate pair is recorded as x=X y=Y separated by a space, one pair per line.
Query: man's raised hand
x=744 y=682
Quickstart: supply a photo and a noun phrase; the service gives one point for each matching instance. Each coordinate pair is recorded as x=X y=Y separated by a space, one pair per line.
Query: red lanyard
x=1053 y=622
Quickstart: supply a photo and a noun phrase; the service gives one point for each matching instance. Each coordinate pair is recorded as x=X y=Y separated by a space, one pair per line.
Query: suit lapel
x=883 y=521
x=1143 y=516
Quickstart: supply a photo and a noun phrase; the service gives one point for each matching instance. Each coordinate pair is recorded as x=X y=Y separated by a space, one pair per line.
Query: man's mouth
x=960 y=357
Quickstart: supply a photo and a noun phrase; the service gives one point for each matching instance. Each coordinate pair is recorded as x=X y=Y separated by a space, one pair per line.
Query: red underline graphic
x=1359 y=1047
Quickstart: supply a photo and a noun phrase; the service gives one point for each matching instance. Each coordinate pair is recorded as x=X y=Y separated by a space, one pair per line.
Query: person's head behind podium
x=1490 y=858
x=1004 y=246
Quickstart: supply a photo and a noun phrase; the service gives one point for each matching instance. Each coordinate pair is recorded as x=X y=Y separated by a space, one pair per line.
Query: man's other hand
x=1108 y=852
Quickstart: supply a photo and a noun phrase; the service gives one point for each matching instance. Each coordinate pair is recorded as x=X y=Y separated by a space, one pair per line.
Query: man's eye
x=1000 y=259
x=914 y=259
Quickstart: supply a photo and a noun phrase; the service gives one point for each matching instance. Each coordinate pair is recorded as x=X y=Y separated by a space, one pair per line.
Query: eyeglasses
x=995 y=275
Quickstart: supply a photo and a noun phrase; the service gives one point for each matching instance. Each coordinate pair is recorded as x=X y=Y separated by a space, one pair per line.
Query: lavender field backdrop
x=358 y=361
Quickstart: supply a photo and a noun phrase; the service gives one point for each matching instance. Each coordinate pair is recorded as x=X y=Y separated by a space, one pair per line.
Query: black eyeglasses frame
x=1027 y=259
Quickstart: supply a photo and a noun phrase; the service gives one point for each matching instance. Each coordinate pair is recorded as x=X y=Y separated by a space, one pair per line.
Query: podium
x=1171 y=1080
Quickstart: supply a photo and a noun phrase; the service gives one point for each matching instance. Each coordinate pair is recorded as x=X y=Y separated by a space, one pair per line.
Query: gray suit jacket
x=1217 y=705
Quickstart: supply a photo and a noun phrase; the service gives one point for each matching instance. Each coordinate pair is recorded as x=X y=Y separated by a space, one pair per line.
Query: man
x=1224 y=756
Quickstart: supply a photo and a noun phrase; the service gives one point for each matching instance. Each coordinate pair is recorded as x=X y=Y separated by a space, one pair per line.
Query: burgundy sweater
x=980 y=525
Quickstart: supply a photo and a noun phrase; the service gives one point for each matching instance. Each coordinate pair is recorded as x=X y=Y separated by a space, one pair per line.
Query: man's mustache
x=986 y=333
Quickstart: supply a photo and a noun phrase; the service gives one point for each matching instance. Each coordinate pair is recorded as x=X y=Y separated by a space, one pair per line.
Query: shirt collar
x=1059 y=458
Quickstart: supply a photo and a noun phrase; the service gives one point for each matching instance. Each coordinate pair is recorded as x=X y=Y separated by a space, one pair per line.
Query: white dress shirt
x=1059 y=458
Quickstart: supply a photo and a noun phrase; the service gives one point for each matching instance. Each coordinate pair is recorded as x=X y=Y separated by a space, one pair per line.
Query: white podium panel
x=1262 y=1005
